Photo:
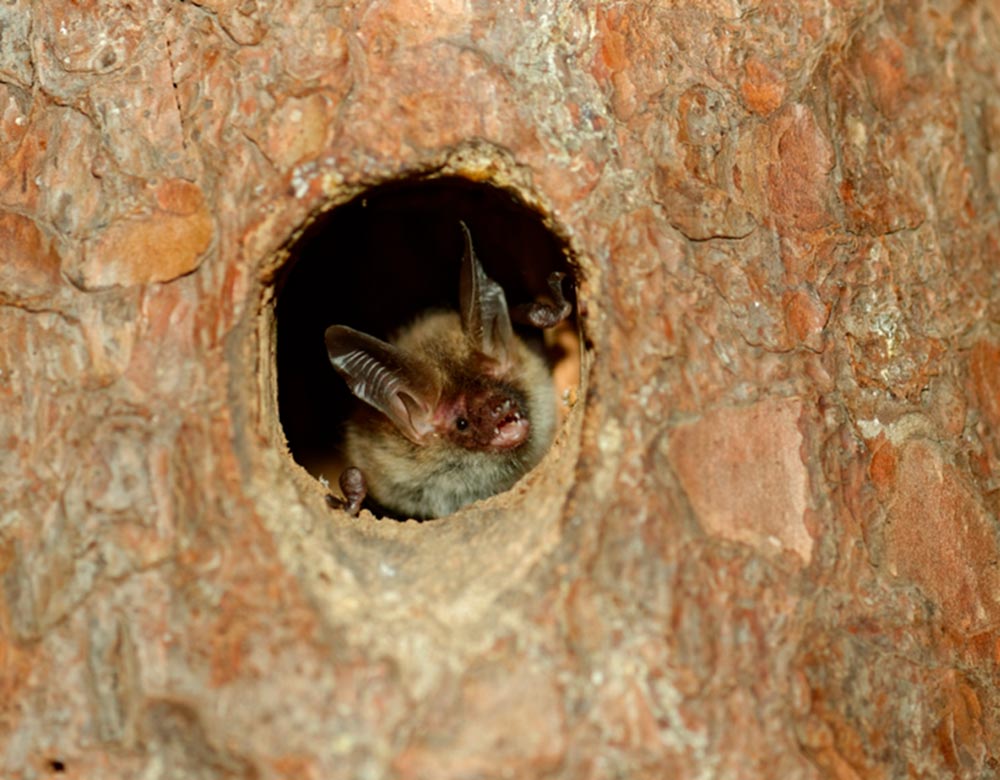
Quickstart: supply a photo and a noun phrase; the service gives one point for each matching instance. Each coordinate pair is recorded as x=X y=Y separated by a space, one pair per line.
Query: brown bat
x=455 y=408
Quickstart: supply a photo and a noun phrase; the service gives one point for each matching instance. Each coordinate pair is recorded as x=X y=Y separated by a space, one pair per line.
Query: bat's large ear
x=385 y=378
x=485 y=318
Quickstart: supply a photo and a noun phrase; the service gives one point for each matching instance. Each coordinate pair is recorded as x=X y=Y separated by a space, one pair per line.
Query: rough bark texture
x=767 y=543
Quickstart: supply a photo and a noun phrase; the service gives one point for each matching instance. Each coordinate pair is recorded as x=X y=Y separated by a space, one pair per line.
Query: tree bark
x=765 y=542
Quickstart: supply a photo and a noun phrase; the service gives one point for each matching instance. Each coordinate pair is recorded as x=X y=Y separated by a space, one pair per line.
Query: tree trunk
x=765 y=543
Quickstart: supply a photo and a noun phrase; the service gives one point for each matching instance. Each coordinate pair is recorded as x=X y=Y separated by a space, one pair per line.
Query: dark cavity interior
x=375 y=263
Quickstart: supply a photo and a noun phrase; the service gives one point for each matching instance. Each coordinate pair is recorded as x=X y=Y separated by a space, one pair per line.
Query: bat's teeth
x=511 y=430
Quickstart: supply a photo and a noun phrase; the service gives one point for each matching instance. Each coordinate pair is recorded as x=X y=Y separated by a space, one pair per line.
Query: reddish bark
x=766 y=541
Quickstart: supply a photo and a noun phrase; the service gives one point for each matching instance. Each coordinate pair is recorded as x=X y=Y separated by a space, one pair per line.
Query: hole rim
x=276 y=268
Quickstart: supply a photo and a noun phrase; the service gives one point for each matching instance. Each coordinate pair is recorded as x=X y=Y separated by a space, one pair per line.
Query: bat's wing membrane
x=545 y=314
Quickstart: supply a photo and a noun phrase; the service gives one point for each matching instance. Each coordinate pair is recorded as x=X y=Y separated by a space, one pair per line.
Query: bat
x=454 y=408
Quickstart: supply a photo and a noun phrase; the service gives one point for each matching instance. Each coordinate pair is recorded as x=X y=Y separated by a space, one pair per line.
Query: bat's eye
x=461 y=423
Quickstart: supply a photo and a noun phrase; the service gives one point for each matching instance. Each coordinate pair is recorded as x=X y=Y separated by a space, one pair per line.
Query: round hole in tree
x=381 y=262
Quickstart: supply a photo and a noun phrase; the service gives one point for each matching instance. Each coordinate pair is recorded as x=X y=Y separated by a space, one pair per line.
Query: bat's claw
x=354 y=488
x=542 y=314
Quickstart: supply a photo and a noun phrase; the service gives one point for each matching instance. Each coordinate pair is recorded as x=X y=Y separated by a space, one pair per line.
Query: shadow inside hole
x=375 y=263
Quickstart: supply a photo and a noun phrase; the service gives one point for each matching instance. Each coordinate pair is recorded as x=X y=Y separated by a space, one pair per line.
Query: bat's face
x=486 y=416
x=456 y=408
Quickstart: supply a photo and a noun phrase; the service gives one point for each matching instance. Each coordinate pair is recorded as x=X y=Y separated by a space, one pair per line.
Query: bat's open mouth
x=511 y=430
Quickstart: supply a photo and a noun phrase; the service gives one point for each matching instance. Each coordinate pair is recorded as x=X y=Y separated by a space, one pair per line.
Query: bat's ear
x=485 y=318
x=385 y=378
